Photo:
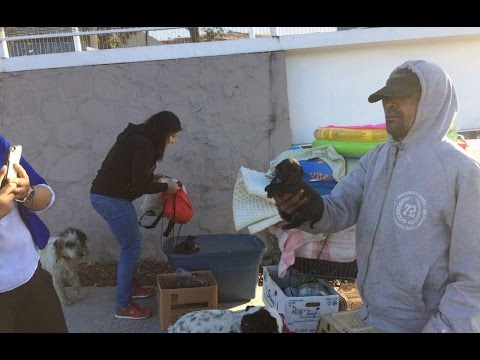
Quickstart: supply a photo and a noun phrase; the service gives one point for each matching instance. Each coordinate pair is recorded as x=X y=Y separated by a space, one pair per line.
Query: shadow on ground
x=94 y=312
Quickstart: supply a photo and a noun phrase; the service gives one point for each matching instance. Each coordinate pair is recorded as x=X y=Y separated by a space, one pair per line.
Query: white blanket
x=251 y=207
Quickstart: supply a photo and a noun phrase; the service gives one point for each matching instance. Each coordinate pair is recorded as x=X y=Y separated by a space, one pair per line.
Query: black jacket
x=127 y=171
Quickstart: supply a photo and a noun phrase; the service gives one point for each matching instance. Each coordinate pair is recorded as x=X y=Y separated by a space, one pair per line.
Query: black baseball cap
x=400 y=83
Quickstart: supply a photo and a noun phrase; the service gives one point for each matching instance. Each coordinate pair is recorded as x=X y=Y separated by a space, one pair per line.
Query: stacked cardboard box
x=349 y=297
x=174 y=302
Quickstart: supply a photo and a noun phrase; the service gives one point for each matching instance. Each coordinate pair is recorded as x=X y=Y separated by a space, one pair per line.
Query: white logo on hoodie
x=410 y=210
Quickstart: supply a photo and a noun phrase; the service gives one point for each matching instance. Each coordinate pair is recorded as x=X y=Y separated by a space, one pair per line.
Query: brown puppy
x=289 y=179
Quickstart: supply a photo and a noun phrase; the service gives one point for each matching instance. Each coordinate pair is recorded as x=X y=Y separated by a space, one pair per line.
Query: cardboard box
x=344 y=322
x=301 y=314
x=349 y=297
x=173 y=303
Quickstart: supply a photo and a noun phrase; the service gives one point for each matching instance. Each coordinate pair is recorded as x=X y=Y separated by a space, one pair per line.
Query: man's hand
x=288 y=203
x=6 y=194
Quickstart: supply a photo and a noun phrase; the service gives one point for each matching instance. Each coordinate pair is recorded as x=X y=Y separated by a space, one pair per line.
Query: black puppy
x=289 y=179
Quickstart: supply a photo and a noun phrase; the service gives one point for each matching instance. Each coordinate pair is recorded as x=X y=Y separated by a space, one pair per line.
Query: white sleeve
x=51 y=200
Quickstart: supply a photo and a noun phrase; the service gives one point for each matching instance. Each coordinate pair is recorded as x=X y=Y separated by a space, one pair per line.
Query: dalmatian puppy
x=61 y=258
x=255 y=319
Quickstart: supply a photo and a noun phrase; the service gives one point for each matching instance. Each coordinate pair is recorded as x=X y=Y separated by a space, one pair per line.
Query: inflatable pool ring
x=348 y=148
x=348 y=134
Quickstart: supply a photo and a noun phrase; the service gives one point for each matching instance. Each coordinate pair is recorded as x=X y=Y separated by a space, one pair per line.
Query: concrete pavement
x=94 y=312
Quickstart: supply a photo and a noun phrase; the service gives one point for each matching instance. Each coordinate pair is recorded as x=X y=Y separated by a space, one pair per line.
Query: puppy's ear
x=259 y=322
x=58 y=249
x=81 y=236
x=282 y=166
x=297 y=166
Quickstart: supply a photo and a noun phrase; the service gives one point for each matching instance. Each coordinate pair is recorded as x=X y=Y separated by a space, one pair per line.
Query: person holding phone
x=125 y=175
x=28 y=300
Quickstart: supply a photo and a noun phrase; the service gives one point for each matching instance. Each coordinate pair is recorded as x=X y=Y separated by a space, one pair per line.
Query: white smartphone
x=13 y=156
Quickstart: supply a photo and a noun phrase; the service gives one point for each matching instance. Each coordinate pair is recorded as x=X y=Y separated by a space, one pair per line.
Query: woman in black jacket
x=125 y=175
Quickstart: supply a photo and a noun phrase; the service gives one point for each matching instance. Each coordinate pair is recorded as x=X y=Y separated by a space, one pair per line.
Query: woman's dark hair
x=160 y=126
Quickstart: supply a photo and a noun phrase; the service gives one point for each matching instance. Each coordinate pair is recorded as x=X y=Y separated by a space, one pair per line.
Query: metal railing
x=25 y=41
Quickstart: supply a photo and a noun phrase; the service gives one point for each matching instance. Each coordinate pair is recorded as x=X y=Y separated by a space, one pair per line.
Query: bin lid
x=224 y=244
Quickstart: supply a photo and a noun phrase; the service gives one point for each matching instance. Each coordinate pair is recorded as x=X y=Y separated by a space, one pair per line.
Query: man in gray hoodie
x=416 y=200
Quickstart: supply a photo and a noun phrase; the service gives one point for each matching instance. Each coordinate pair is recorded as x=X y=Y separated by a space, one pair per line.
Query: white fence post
x=251 y=32
x=76 y=40
x=3 y=46
x=274 y=31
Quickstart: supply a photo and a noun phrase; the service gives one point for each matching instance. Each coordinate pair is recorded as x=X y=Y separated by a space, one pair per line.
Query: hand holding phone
x=13 y=156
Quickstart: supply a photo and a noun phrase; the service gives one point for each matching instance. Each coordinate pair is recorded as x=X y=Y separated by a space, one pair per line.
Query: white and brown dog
x=61 y=258
x=255 y=319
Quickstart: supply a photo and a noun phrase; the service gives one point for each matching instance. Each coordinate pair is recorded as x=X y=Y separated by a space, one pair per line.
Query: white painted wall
x=331 y=85
x=474 y=148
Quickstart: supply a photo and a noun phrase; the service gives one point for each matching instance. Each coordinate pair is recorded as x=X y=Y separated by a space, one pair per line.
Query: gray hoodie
x=416 y=204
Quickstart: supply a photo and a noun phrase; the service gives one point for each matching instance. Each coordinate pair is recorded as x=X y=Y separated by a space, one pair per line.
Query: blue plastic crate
x=322 y=187
x=316 y=169
x=234 y=260
x=319 y=175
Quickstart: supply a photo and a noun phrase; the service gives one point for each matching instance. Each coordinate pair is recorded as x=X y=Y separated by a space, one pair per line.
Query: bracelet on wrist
x=29 y=196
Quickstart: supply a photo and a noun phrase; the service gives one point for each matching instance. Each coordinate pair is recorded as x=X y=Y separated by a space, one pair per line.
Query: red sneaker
x=140 y=292
x=132 y=311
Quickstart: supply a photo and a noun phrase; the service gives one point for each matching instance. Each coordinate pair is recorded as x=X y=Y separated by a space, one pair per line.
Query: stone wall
x=234 y=111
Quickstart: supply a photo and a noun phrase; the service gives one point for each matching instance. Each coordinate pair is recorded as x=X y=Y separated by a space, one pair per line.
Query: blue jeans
x=121 y=216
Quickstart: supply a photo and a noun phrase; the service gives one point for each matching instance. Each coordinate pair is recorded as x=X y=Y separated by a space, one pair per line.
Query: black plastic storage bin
x=329 y=270
x=234 y=260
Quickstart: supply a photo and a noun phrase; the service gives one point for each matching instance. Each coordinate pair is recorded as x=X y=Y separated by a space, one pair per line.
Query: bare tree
x=194 y=34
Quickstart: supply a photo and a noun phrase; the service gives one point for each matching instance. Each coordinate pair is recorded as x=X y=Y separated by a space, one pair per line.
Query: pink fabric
x=292 y=243
x=375 y=126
